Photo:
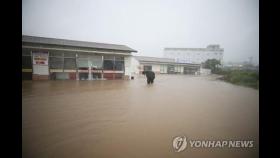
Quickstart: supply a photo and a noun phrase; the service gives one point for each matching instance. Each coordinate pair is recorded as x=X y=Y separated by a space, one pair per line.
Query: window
x=82 y=62
x=69 y=63
x=170 y=68
x=96 y=61
x=56 y=63
x=161 y=68
x=26 y=59
x=108 y=65
x=177 y=69
x=109 y=62
x=119 y=65
x=26 y=62
x=147 y=68
x=26 y=52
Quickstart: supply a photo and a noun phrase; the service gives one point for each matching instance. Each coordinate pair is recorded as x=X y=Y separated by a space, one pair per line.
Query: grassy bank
x=247 y=78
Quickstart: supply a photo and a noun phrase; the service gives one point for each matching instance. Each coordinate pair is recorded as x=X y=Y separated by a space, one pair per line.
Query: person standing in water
x=150 y=75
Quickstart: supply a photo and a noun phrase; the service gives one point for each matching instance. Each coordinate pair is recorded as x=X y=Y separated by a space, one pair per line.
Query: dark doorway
x=147 y=68
x=170 y=69
x=26 y=75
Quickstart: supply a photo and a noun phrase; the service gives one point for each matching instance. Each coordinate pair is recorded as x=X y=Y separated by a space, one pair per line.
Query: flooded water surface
x=130 y=119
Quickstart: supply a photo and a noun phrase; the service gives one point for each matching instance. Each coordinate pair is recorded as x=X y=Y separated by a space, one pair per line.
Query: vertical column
x=31 y=56
x=114 y=66
x=49 y=66
x=127 y=67
x=102 y=73
x=77 y=72
x=63 y=62
x=89 y=70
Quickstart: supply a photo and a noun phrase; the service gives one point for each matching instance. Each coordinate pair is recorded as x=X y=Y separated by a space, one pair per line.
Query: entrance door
x=83 y=67
x=90 y=67
x=170 y=69
x=96 y=65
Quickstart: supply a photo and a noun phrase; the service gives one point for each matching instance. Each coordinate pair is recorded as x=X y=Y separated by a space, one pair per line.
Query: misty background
x=150 y=25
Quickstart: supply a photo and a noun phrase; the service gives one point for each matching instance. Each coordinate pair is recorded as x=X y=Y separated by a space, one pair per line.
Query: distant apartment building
x=194 y=55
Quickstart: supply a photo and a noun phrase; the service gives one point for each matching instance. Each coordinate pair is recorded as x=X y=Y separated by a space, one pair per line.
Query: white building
x=60 y=59
x=194 y=55
x=161 y=66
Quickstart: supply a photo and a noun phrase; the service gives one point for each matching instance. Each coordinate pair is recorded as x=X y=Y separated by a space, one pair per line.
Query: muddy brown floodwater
x=130 y=119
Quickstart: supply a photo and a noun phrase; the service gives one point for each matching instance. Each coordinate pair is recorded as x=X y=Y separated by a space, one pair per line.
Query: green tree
x=212 y=64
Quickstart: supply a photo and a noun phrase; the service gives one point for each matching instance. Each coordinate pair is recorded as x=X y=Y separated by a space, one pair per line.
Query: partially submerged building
x=164 y=65
x=51 y=58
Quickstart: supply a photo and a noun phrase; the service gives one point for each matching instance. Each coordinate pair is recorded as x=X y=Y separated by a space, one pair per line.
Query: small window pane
x=56 y=63
x=82 y=62
x=119 y=65
x=147 y=68
x=108 y=64
x=26 y=62
x=96 y=61
x=69 y=63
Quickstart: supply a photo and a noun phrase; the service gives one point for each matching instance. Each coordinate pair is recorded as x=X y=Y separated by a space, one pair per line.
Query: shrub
x=241 y=77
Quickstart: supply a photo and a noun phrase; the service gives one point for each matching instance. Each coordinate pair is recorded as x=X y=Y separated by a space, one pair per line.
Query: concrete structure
x=194 y=55
x=205 y=71
x=163 y=66
x=50 y=58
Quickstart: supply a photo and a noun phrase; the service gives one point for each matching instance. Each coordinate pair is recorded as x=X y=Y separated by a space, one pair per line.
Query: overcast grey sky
x=150 y=25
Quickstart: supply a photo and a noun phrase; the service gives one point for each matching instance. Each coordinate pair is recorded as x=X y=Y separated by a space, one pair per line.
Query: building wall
x=73 y=65
x=128 y=67
x=163 y=69
x=156 y=68
x=135 y=66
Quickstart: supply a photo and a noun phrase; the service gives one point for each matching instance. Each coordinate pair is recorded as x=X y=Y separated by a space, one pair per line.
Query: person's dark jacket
x=150 y=76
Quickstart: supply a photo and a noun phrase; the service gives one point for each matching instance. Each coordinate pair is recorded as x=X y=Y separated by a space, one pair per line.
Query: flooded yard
x=125 y=119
